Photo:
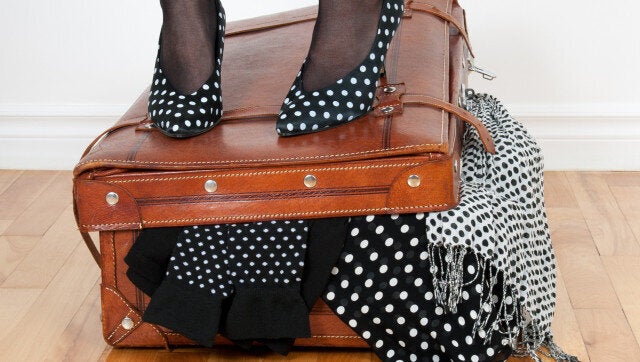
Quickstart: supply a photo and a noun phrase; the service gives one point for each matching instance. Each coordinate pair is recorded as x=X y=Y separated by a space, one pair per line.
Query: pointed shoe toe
x=350 y=97
x=181 y=115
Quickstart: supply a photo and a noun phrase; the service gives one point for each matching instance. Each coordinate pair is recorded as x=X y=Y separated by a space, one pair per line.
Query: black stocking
x=342 y=37
x=188 y=42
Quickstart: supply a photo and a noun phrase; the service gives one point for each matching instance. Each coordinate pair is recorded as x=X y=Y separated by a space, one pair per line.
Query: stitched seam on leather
x=265 y=159
x=128 y=332
x=262 y=173
x=262 y=196
x=113 y=251
x=117 y=294
x=344 y=337
x=272 y=215
x=297 y=214
x=116 y=224
x=130 y=311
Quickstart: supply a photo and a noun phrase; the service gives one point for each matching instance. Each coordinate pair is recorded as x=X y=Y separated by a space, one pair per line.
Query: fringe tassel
x=556 y=352
x=447 y=278
x=524 y=336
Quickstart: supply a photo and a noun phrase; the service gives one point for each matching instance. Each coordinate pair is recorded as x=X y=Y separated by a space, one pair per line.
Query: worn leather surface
x=361 y=168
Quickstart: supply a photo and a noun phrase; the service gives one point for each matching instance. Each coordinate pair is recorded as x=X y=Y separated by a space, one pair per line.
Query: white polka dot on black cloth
x=462 y=284
x=266 y=262
x=394 y=308
x=256 y=266
x=197 y=280
x=349 y=97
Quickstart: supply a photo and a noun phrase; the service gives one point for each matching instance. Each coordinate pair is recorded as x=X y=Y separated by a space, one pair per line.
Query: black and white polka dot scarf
x=430 y=286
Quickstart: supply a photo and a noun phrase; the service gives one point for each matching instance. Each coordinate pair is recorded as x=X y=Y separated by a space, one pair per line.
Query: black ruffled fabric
x=193 y=313
x=149 y=256
x=269 y=312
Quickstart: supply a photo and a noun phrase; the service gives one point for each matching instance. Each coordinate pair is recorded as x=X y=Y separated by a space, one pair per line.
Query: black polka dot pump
x=349 y=97
x=185 y=115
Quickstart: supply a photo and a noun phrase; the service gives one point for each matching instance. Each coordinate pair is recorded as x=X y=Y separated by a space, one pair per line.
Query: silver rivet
x=387 y=109
x=389 y=89
x=112 y=198
x=455 y=166
x=414 y=181
x=310 y=181
x=127 y=323
x=211 y=186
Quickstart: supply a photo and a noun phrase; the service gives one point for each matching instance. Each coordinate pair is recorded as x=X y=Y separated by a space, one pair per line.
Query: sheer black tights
x=342 y=37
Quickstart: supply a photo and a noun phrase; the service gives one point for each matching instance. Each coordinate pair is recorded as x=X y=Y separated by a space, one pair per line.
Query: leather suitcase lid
x=261 y=59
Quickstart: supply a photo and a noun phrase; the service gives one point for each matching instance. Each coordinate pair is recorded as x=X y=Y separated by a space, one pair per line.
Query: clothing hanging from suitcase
x=476 y=282
x=465 y=284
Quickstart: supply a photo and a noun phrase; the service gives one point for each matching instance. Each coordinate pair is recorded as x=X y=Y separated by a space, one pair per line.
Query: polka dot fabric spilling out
x=186 y=115
x=463 y=284
x=201 y=260
x=266 y=264
x=253 y=268
x=514 y=176
x=381 y=288
x=473 y=283
x=190 y=297
x=348 y=98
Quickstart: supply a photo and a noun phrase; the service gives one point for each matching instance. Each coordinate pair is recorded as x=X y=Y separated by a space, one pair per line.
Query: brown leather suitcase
x=402 y=157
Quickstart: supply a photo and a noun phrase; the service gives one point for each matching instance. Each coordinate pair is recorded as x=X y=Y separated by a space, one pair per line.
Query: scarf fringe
x=447 y=272
x=555 y=352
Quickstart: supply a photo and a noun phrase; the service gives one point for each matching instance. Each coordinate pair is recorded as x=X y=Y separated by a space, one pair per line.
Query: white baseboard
x=572 y=137
x=47 y=143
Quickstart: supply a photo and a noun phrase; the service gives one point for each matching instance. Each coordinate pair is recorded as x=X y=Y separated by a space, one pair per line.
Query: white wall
x=568 y=69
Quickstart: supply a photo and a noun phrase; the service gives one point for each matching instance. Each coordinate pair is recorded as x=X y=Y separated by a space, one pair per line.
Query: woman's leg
x=342 y=37
x=186 y=98
x=188 y=42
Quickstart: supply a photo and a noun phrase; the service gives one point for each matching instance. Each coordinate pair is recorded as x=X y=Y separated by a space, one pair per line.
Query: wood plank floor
x=49 y=296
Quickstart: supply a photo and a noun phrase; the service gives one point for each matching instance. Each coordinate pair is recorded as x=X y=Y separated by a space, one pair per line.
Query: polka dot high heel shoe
x=349 y=97
x=185 y=115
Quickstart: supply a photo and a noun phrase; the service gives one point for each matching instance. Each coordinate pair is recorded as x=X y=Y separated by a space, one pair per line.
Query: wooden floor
x=49 y=299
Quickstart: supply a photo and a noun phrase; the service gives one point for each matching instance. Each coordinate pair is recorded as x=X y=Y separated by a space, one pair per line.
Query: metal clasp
x=485 y=73
x=389 y=89
x=387 y=109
